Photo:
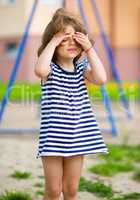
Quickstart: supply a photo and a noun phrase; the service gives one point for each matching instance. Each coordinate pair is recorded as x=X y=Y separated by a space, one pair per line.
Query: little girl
x=68 y=128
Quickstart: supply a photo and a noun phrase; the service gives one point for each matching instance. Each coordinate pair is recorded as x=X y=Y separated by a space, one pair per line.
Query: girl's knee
x=69 y=190
x=53 y=192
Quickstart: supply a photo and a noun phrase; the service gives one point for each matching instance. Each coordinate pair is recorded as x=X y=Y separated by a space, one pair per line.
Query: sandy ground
x=18 y=151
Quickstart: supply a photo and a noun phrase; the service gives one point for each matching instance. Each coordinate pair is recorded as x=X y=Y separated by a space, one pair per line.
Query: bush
x=32 y=91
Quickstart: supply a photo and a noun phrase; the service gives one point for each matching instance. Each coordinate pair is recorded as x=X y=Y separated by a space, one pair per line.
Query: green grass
x=22 y=92
x=32 y=91
x=98 y=188
x=119 y=159
x=136 y=175
x=127 y=153
x=15 y=195
x=130 y=88
x=130 y=196
x=40 y=185
x=40 y=192
x=21 y=175
x=111 y=168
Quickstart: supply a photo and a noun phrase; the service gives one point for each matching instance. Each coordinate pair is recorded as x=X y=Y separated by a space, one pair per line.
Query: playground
x=18 y=153
x=115 y=176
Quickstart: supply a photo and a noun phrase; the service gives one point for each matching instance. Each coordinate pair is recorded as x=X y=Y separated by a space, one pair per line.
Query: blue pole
x=139 y=89
x=111 y=59
x=109 y=110
x=17 y=62
x=106 y=99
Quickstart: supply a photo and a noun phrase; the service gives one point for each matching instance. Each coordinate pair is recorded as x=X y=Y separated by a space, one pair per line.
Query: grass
x=119 y=159
x=130 y=196
x=127 y=153
x=32 y=91
x=40 y=185
x=103 y=191
x=15 y=195
x=130 y=88
x=22 y=92
x=21 y=175
x=111 y=168
x=40 y=192
x=98 y=188
x=136 y=175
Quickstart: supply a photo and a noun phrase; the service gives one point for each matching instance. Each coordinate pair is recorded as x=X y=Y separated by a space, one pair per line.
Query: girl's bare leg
x=72 y=168
x=53 y=172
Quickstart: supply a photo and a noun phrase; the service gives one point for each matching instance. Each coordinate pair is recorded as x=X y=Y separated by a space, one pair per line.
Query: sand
x=18 y=150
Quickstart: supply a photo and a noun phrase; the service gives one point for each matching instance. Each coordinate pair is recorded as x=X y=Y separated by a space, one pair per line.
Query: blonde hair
x=60 y=20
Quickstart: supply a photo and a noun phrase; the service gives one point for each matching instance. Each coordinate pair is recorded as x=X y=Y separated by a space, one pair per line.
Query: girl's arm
x=94 y=72
x=42 y=66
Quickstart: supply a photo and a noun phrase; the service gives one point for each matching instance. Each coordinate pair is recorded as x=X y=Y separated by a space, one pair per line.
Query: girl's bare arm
x=95 y=71
x=42 y=66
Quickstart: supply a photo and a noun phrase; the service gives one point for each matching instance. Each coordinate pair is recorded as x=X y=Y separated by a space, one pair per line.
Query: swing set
x=111 y=118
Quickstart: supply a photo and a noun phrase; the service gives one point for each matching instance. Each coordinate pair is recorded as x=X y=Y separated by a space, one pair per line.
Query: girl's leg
x=53 y=172
x=72 y=168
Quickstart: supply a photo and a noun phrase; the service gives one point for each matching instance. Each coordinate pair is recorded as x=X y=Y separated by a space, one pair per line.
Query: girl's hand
x=59 y=37
x=83 y=40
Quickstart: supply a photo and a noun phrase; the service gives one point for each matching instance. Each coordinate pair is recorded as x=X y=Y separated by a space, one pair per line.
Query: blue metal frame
x=106 y=99
x=17 y=62
x=111 y=59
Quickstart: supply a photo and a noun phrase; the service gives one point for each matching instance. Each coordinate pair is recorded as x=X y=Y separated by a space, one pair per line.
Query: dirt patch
x=18 y=151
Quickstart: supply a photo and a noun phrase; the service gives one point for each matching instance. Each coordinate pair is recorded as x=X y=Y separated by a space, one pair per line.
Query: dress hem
x=66 y=155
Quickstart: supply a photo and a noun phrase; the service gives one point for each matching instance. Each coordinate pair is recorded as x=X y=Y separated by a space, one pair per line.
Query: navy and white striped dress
x=68 y=125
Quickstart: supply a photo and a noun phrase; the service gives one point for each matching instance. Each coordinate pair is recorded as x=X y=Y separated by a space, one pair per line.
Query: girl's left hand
x=83 y=40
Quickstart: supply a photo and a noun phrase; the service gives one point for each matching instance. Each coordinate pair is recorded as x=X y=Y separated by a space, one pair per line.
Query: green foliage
x=21 y=175
x=32 y=91
x=40 y=192
x=130 y=196
x=15 y=195
x=127 y=153
x=26 y=92
x=98 y=188
x=136 y=175
x=40 y=185
x=119 y=159
x=130 y=88
x=111 y=168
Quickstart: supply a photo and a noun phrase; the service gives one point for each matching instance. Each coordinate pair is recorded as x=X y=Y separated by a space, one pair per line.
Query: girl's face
x=69 y=48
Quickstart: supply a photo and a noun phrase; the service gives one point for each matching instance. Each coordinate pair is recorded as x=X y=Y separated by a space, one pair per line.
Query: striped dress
x=68 y=125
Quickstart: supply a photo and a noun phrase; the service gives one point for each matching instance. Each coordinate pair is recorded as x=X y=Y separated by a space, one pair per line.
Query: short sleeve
x=83 y=65
x=52 y=65
x=44 y=80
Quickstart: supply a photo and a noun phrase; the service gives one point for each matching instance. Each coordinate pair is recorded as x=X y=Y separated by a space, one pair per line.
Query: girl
x=68 y=128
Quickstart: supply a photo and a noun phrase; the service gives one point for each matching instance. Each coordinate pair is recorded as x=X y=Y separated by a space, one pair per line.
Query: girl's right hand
x=59 y=37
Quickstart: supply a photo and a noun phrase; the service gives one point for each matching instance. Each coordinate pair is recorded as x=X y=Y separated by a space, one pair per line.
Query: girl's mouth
x=72 y=49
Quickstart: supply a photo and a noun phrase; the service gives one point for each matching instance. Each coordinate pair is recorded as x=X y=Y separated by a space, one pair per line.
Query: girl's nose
x=71 y=40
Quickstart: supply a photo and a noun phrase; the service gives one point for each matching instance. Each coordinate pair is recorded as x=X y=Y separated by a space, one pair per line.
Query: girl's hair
x=60 y=20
